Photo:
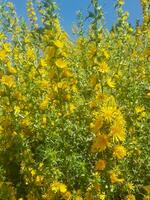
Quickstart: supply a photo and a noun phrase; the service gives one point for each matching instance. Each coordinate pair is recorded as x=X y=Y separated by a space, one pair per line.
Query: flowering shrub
x=73 y=115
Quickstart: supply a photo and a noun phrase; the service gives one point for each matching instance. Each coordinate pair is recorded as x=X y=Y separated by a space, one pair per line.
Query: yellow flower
x=17 y=109
x=108 y=112
x=62 y=188
x=8 y=80
x=6 y=47
x=39 y=179
x=30 y=53
x=43 y=62
x=59 y=43
x=57 y=186
x=139 y=109
x=25 y=122
x=117 y=131
x=50 y=52
x=114 y=178
x=72 y=107
x=100 y=165
x=143 y=114
x=41 y=164
x=44 y=84
x=67 y=73
x=67 y=195
x=61 y=63
x=106 y=54
x=67 y=96
x=44 y=120
x=44 y=104
x=102 y=196
x=110 y=83
x=33 y=172
x=130 y=197
x=103 y=67
x=11 y=69
x=130 y=186
x=119 y=152
x=100 y=143
x=62 y=85
x=2 y=54
x=27 y=39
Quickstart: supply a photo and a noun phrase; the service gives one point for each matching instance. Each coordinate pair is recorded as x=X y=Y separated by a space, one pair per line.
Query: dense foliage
x=74 y=118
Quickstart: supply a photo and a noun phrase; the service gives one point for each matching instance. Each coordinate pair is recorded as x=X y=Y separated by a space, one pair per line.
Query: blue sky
x=68 y=9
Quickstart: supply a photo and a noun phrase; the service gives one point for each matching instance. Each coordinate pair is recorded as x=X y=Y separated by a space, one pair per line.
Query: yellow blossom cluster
x=74 y=115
